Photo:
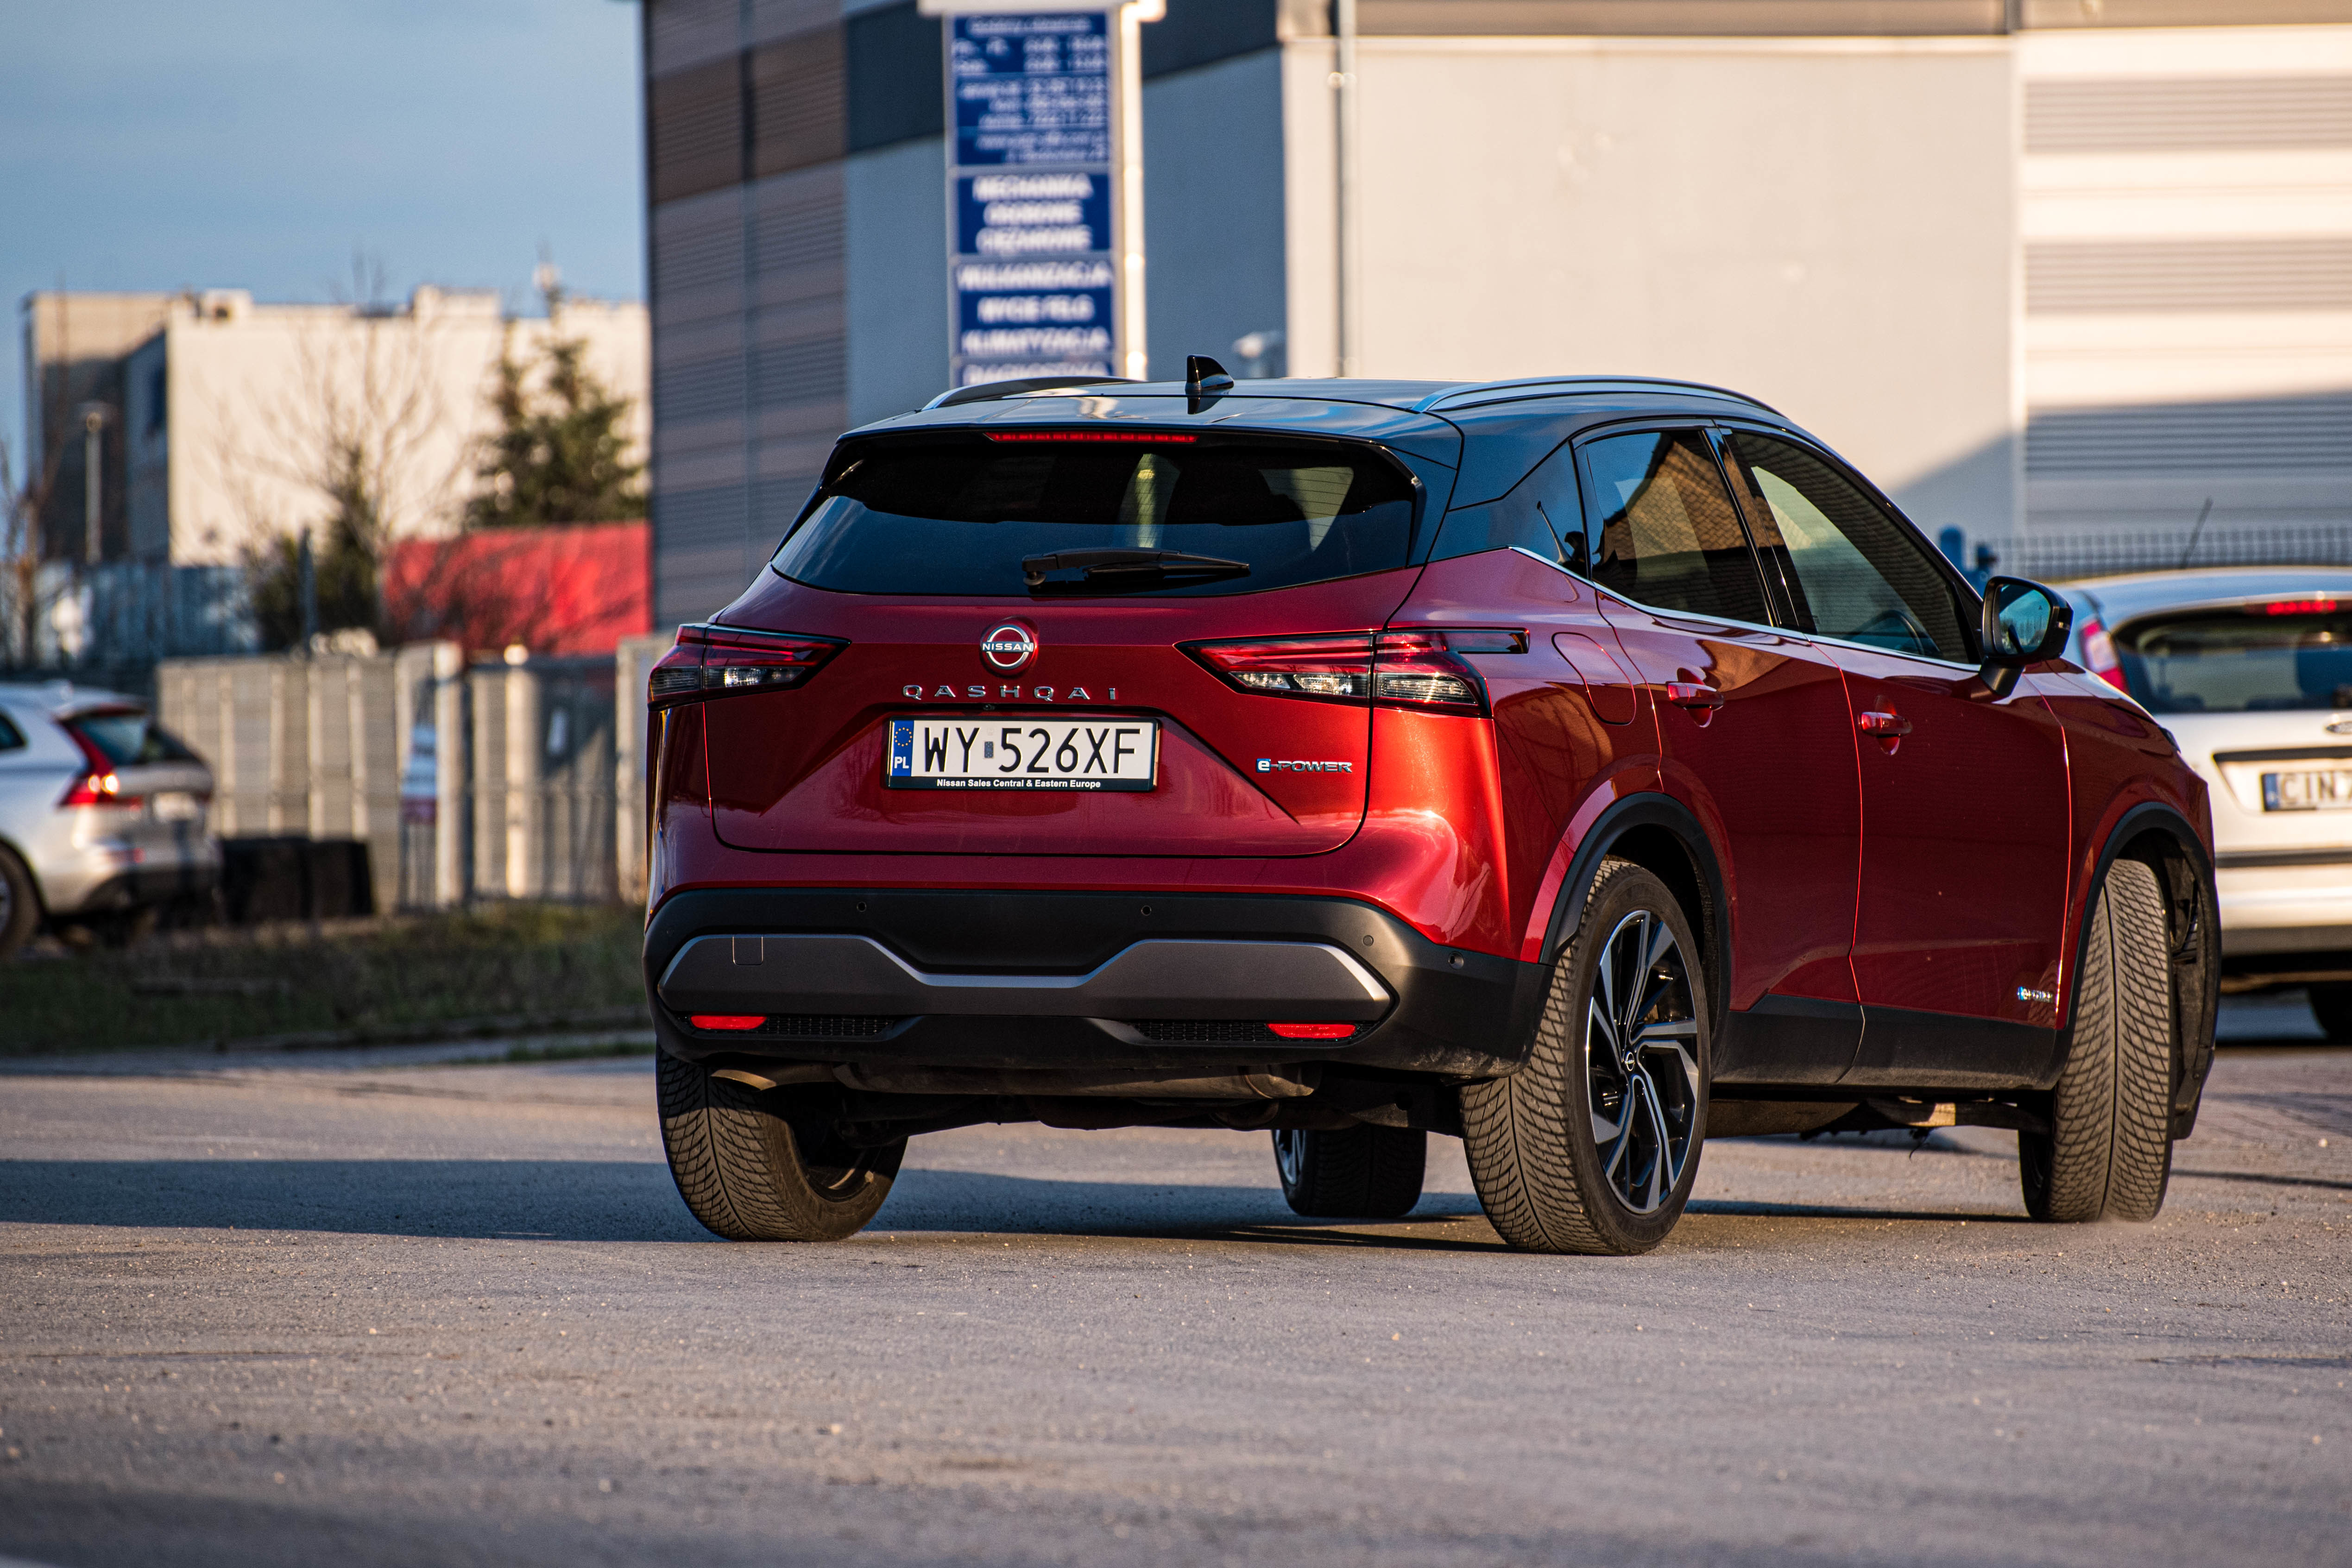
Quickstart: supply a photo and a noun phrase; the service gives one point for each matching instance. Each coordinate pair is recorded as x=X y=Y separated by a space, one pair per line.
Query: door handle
x=1693 y=694
x=1886 y=725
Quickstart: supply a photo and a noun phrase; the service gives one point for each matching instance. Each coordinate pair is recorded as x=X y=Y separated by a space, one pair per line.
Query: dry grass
x=502 y=965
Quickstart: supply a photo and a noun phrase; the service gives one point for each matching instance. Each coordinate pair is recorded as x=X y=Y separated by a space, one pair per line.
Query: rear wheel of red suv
x=764 y=1165
x=1353 y=1173
x=1593 y=1144
x=2108 y=1152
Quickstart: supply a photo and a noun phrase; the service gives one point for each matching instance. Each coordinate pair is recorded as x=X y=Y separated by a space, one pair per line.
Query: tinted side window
x=11 y=737
x=1539 y=515
x=1853 y=571
x=1661 y=528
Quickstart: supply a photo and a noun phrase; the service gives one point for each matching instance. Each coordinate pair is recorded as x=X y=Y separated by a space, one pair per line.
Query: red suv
x=1580 y=768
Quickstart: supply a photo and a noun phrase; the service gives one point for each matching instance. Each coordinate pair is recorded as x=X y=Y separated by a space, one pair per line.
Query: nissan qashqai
x=1580 y=768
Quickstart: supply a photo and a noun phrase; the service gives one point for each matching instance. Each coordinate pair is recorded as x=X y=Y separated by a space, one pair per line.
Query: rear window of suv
x=130 y=739
x=961 y=516
x=2284 y=656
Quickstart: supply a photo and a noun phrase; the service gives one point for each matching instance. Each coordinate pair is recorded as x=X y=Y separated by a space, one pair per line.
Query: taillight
x=2099 y=654
x=98 y=784
x=734 y=1022
x=98 y=789
x=717 y=661
x=1417 y=669
x=1335 y=668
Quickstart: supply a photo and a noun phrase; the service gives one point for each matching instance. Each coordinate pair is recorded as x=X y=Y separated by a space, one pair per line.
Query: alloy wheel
x=1640 y=1060
x=1290 y=1156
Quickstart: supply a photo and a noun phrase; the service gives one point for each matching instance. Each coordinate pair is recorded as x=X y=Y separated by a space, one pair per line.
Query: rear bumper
x=1060 y=980
x=2285 y=908
x=104 y=879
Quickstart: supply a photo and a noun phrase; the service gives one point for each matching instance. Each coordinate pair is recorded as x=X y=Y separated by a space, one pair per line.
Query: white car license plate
x=176 y=806
x=1028 y=754
x=2320 y=789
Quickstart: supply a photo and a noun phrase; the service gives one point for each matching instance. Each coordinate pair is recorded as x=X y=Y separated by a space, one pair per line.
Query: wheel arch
x=2160 y=838
x=40 y=894
x=1664 y=837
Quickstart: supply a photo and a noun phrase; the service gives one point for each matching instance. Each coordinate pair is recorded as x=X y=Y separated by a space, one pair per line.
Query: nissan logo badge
x=1008 y=646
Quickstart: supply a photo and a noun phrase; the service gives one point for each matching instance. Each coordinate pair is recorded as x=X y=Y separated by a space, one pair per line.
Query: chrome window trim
x=1790 y=632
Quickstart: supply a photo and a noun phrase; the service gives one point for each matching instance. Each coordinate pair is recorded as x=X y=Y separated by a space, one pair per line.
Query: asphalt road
x=359 y=1311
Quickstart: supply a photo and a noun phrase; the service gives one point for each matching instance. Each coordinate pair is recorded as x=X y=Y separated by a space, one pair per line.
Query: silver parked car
x=2250 y=669
x=102 y=814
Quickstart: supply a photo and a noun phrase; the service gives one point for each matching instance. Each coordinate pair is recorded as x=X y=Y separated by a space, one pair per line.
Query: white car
x=2250 y=669
x=102 y=814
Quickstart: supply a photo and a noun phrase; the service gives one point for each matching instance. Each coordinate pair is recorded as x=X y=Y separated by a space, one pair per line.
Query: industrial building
x=217 y=414
x=2071 y=276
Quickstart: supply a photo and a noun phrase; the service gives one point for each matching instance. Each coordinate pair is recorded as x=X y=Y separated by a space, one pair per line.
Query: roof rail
x=985 y=390
x=1535 y=386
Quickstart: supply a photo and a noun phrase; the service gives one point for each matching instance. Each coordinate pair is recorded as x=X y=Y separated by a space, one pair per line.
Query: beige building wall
x=234 y=410
x=1826 y=223
x=2186 y=209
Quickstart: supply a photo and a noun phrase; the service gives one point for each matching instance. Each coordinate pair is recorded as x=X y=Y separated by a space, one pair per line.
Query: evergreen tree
x=345 y=556
x=558 y=456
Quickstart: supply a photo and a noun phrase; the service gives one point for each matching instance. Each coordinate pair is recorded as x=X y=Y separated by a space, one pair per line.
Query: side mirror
x=2024 y=623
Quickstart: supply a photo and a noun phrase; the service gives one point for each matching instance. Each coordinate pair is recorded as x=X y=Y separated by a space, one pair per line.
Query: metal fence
x=2058 y=556
x=487 y=780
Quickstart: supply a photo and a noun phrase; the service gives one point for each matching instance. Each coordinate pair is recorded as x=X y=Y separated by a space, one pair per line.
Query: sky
x=264 y=144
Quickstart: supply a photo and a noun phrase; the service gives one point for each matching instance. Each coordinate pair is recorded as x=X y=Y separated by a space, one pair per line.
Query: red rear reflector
x=1313 y=1030
x=1114 y=437
x=727 y=1020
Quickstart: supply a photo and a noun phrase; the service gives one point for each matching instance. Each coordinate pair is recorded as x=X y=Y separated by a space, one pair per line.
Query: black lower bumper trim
x=1456 y=1013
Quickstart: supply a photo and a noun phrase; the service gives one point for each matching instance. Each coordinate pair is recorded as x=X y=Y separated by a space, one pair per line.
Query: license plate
x=1032 y=754
x=177 y=806
x=2321 y=790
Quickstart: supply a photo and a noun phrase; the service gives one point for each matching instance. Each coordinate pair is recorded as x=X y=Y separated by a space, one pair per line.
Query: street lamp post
x=93 y=479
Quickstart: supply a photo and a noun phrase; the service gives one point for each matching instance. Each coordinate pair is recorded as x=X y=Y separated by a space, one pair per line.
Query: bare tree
x=353 y=433
x=28 y=481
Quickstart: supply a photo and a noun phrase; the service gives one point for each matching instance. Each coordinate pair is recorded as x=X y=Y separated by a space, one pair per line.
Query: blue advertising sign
x=1031 y=89
x=1033 y=212
x=1031 y=312
x=1032 y=268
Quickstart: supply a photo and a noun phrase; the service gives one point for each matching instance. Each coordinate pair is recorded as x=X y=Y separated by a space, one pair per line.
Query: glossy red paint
x=1789 y=852
x=2118 y=759
x=1553 y=740
x=802 y=770
x=1966 y=831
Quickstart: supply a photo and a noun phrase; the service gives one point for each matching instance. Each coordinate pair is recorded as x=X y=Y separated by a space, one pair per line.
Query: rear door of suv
x=999 y=613
x=1753 y=732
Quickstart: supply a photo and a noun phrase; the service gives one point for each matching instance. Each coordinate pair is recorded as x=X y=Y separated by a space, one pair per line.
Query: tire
x=1627 y=1038
x=2108 y=1152
x=1356 y=1173
x=2332 y=1006
x=20 y=903
x=762 y=1165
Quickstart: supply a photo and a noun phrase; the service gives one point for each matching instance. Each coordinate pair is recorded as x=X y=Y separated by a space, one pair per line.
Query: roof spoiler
x=986 y=391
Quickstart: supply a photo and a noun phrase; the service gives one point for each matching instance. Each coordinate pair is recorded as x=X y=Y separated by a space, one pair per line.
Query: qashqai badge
x=1008 y=646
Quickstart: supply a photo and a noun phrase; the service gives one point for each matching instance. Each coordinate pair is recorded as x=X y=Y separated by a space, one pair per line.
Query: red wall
x=577 y=589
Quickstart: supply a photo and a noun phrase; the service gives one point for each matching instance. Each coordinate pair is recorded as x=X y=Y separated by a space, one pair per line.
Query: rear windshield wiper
x=1129 y=563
